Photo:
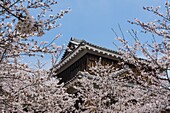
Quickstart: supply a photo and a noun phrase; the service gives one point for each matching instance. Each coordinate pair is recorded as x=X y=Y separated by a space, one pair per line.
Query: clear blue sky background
x=92 y=20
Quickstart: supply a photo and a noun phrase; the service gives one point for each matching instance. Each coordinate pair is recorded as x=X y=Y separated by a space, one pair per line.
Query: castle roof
x=78 y=48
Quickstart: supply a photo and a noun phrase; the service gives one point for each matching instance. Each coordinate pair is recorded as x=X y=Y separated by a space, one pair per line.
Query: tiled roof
x=80 y=42
x=82 y=48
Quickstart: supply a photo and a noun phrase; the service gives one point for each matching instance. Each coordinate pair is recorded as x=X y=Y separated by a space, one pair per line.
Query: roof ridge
x=77 y=40
x=94 y=45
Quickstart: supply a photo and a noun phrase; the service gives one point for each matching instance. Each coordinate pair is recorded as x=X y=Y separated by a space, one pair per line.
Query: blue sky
x=92 y=20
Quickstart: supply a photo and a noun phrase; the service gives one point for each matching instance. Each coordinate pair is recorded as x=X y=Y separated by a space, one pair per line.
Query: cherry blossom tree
x=116 y=92
x=23 y=89
x=18 y=25
x=157 y=63
x=34 y=92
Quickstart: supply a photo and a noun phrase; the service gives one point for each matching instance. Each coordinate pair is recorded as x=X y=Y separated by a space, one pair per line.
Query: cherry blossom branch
x=18 y=17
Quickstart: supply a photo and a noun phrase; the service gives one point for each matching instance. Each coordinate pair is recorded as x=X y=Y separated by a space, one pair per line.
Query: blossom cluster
x=23 y=89
x=19 y=27
x=110 y=94
x=156 y=62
